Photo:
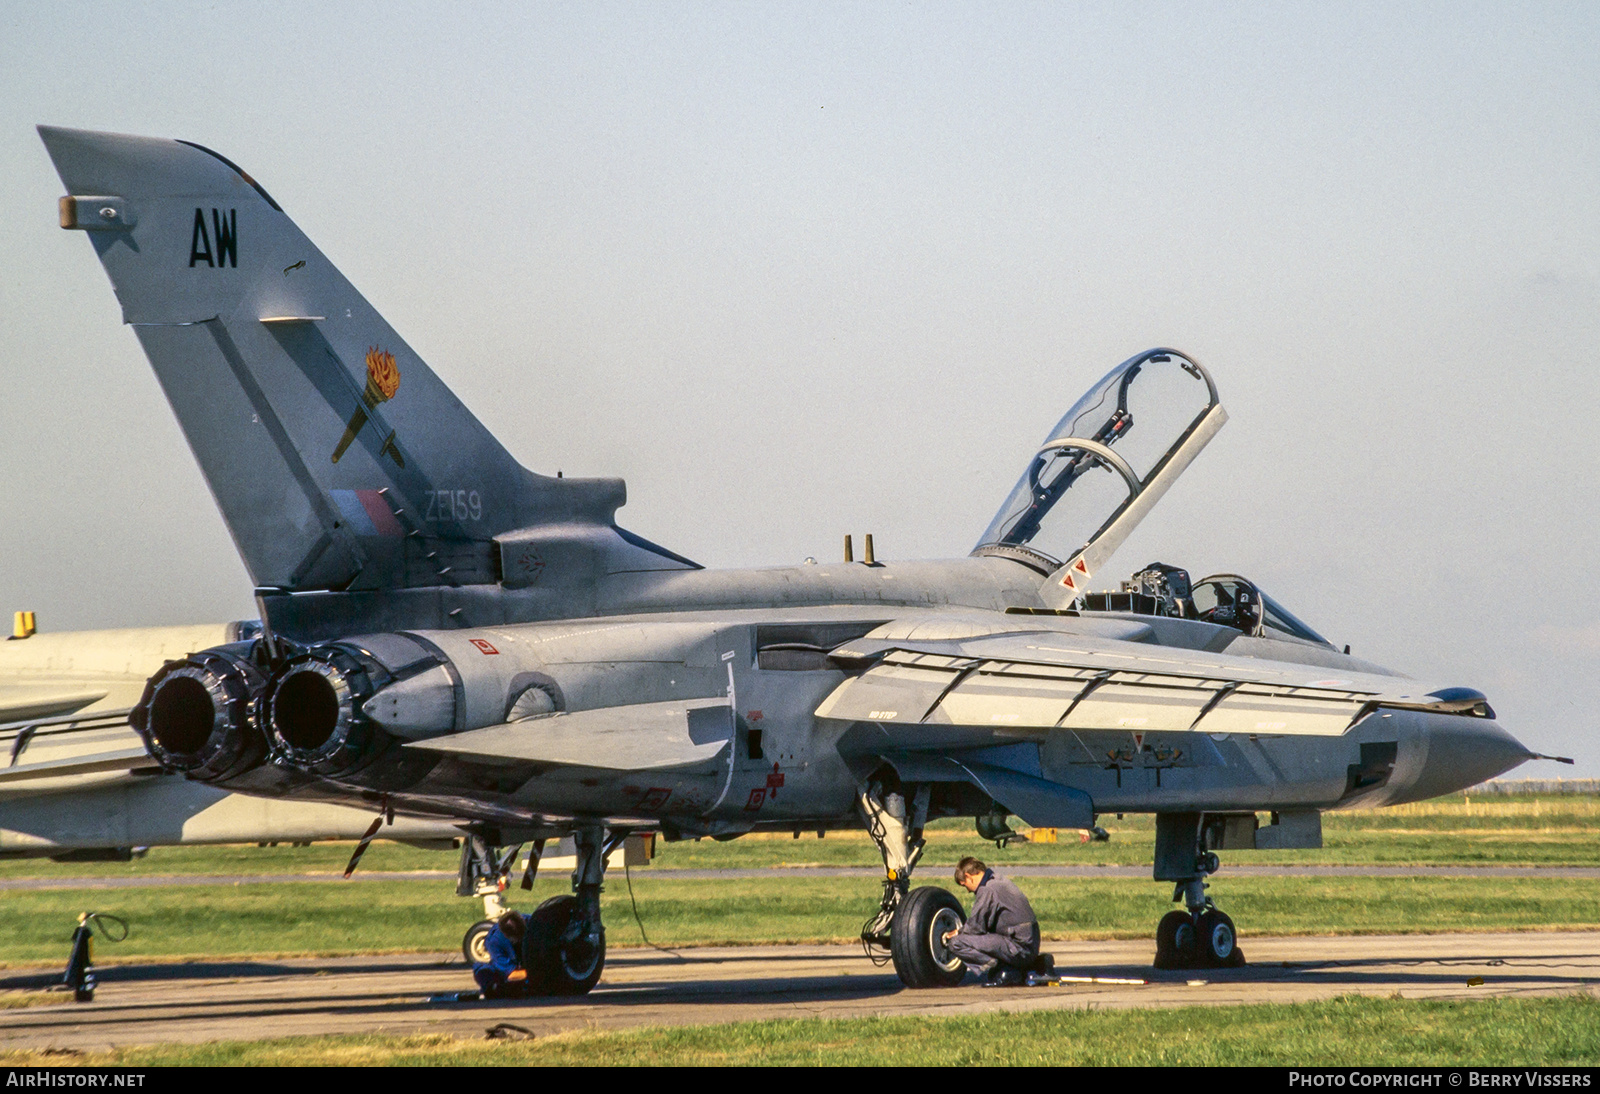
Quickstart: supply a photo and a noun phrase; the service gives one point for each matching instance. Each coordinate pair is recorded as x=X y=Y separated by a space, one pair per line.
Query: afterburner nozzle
x=311 y=709
x=196 y=714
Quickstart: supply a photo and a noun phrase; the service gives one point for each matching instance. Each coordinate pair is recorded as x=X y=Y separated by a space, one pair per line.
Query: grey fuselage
x=659 y=637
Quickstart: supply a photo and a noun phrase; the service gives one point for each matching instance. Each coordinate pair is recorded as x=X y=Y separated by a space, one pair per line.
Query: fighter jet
x=447 y=633
x=76 y=782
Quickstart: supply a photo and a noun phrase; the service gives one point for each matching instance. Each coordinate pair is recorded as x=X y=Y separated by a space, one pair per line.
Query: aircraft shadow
x=380 y=1005
x=206 y=970
x=36 y=979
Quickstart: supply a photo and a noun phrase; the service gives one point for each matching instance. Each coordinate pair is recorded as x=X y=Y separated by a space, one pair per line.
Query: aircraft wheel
x=473 y=946
x=1177 y=945
x=916 y=939
x=559 y=960
x=1218 y=941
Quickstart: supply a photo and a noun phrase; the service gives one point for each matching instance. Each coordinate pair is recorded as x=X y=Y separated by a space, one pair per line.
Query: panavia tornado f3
x=445 y=633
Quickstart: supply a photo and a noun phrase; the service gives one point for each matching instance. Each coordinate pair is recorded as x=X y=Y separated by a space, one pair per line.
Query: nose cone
x=1461 y=752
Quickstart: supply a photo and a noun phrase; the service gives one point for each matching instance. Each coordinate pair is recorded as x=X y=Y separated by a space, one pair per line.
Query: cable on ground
x=628 y=873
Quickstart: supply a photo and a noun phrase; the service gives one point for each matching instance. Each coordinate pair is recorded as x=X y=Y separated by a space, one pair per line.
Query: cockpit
x=1099 y=471
x=1226 y=600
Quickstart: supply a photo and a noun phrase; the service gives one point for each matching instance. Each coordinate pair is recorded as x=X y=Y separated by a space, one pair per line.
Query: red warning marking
x=775 y=780
x=483 y=646
x=1081 y=568
x=1069 y=583
x=1138 y=740
x=755 y=716
x=758 y=798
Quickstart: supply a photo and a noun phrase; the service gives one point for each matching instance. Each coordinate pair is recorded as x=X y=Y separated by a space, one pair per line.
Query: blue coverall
x=504 y=959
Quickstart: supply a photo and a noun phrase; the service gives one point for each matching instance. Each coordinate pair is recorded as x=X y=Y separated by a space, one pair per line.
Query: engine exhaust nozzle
x=311 y=710
x=196 y=715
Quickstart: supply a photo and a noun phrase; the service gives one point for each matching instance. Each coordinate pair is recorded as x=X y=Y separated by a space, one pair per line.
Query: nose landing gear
x=1203 y=940
x=1201 y=936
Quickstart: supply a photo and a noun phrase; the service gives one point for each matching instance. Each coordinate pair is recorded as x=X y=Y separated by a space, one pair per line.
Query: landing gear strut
x=485 y=873
x=564 y=950
x=565 y=947
x=910 y=923
x=1200 y=936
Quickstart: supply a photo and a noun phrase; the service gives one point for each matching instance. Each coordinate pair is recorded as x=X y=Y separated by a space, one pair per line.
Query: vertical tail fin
x=339 y=460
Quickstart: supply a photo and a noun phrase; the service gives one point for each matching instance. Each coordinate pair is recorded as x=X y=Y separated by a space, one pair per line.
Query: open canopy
x=1129 y=437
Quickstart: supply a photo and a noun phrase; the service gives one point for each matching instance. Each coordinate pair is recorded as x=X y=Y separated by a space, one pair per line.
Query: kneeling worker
x=1000 y=939
x=503 y=974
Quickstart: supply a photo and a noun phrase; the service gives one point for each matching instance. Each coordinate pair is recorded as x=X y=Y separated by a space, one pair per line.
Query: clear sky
x=793 y=271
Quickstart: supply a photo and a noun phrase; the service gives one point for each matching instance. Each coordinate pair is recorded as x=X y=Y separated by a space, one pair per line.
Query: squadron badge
x=383 y=380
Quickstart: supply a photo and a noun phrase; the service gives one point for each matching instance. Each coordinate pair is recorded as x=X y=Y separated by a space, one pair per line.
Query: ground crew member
x=503 y=974
x=1000 y=939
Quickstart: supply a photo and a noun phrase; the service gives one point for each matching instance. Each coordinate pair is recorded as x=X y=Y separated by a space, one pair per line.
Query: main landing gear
x=916 y=939
x=485 y=872
x=910 y=923
x=564 y=950
x=1200 y=936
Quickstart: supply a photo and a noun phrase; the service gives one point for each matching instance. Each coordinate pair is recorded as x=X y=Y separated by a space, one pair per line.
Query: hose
x=98 y=921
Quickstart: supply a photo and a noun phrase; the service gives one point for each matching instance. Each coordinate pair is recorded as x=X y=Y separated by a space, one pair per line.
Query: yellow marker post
x=22 y=625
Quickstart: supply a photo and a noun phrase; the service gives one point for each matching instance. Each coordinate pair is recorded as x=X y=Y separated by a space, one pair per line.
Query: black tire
x=916 y=939
x=558 y=964
x=1176 y=942
x=1218 y=941
x=472 y=943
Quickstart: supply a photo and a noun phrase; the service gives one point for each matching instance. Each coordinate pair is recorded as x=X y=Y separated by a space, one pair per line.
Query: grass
x=16 y=1000
x=244 y=858
x=1553 y=830
x=1347 y=1031
x=326 y=919
x=177 y=922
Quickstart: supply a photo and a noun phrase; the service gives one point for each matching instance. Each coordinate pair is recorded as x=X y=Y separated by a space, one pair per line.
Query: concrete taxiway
x=251 y=1000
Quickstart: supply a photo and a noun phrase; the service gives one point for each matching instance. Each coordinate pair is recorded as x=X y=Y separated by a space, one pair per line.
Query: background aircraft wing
x=21 y=701
x=54 y=748
x=122 y=759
